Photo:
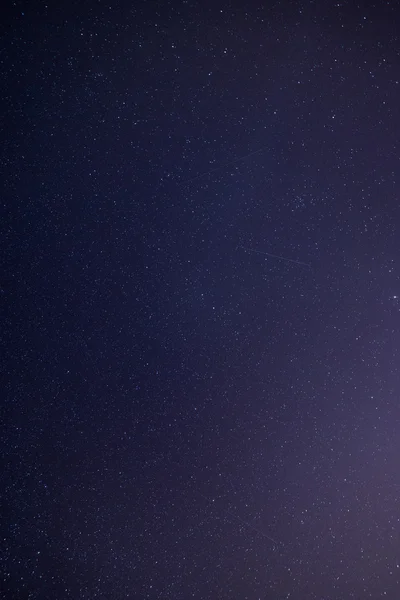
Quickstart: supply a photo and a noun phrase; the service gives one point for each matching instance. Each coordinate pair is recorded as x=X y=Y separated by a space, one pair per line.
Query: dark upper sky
x=200 y=301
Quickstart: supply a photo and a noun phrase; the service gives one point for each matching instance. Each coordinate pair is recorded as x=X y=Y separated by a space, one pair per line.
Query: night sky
x=200 y=300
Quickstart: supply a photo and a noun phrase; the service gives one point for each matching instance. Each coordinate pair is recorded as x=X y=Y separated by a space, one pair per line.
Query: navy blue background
x=184 y=416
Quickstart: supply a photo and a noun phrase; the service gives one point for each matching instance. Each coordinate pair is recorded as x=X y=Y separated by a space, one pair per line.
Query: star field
x=200 y=301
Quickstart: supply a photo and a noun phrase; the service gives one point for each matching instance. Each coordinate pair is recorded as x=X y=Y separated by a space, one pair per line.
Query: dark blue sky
x=200 y=301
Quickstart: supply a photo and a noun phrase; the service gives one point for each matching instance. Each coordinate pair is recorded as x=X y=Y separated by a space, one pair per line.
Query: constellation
x=228 y=164
x=246 y=523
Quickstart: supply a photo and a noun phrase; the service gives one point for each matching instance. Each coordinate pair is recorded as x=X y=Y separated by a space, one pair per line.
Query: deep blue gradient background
x=182 y=415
